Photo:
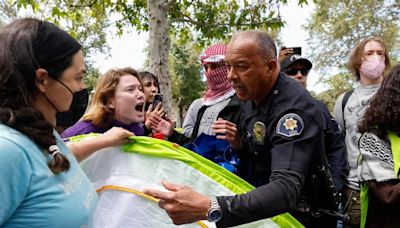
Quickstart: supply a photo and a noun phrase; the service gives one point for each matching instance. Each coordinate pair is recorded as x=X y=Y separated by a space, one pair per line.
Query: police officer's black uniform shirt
x=335 y=147
x=281 y=136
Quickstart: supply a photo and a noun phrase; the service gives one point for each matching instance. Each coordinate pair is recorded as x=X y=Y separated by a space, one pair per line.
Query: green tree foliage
x=78 y=21
x=91 y=77
x=186 y=73
x=218 y=19
x=206 y=20
x=7 y=12
x=337 y=26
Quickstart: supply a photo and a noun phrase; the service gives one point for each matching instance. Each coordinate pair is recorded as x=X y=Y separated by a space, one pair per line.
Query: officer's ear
x=272 y=66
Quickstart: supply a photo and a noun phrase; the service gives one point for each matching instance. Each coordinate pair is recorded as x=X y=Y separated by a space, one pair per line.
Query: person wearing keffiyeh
x=219 y=94
x=219 y=101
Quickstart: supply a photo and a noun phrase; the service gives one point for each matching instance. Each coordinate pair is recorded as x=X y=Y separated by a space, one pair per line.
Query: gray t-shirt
x=190 y=117
x=353 y=112
x=209 y=116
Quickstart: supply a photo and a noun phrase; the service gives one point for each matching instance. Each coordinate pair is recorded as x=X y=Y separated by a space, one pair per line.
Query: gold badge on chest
x=259 y=131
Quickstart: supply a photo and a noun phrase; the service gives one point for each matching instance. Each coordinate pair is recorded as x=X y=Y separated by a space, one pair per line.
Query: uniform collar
x=250 y=107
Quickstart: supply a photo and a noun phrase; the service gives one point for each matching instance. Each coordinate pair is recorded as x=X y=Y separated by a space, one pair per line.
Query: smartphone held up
x=158 y=98
x=294 y=50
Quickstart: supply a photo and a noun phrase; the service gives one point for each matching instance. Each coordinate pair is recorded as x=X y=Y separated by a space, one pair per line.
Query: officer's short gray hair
x=264 y=42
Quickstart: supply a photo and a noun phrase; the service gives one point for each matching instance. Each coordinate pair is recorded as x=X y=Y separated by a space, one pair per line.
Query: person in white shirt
x=368 y=62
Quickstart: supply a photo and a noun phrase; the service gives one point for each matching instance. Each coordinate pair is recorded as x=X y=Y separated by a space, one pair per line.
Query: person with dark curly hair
x=42 y=184
x=380 y=155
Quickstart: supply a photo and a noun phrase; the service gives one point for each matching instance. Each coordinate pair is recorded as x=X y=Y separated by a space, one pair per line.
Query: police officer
x=297 y=67
x=281 y=133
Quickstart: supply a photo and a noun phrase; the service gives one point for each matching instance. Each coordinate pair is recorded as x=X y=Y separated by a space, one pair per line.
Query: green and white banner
x=121 y=173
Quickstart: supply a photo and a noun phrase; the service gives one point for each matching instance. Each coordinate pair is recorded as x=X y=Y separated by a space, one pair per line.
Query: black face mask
x=77 y=109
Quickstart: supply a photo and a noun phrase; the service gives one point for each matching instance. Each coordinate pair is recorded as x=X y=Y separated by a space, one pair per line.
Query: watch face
x=215 y=215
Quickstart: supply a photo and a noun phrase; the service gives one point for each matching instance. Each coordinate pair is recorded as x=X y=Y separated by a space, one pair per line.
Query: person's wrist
x=105 y=140
x=237 y=145
x=147 y=125
x=171 y=131
x=214 y=213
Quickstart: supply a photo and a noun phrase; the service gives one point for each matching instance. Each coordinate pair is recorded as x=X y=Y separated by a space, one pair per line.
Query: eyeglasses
x=293 y=71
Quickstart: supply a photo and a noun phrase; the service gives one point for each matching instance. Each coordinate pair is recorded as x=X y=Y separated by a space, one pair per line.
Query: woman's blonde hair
x=356 y=56
x=99 y=113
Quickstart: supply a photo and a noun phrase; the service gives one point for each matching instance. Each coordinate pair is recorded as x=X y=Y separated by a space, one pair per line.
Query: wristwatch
x=214 y=214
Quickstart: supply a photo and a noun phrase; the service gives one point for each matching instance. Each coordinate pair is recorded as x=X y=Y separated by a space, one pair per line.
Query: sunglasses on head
x=293 y=71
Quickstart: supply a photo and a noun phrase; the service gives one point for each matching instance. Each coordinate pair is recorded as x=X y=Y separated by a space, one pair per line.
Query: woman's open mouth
x=139 y=107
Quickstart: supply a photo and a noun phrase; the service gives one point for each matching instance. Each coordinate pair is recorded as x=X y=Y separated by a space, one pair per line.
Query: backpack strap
x=344 y=102
x=200 y=113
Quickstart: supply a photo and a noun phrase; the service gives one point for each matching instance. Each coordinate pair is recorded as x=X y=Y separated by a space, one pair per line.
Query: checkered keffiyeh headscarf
x=217 y=80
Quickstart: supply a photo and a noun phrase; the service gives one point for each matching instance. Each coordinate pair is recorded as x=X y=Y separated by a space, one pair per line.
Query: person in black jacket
x=281 y=133
x=297 y=67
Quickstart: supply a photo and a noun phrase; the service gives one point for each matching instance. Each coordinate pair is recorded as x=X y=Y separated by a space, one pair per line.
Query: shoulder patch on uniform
x=290 y=125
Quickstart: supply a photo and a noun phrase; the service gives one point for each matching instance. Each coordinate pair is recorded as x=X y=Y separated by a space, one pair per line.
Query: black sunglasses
x=293 y=71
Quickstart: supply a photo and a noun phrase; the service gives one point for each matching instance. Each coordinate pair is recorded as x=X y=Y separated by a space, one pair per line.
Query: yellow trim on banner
x=130 y=190
x=139 y=193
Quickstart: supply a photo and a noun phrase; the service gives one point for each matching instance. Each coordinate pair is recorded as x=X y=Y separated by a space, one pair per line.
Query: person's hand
x=284 y=52
x=113 y=137
x=116 y=136
x=160 y=125
x=183 y=205
x=158 y=110
x=227 y=131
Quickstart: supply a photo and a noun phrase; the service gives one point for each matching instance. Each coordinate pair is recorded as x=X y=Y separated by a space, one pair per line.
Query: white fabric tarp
x=120 y=176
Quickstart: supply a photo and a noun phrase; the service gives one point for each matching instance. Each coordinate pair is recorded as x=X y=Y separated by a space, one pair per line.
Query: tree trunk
x=178 y=116
x=159 y=44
